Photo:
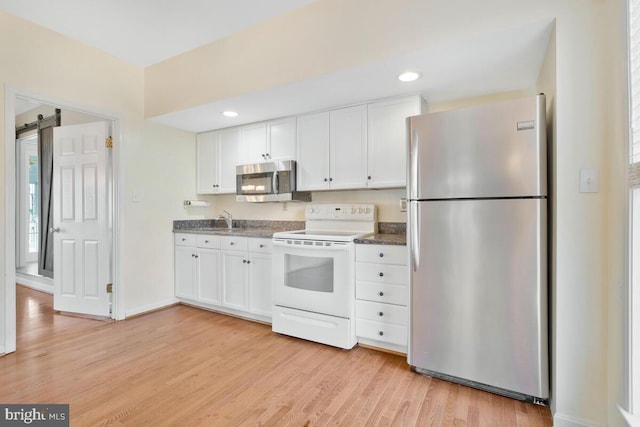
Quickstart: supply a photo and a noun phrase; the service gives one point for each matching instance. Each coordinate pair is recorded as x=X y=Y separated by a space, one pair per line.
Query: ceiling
x=144 y=32
x=149 y=31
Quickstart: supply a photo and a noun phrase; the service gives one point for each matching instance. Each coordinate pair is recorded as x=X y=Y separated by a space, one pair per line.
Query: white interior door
x=81 y=232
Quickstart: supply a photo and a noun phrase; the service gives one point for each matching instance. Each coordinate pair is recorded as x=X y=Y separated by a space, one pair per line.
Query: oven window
x=309 y=273
x=257 y=183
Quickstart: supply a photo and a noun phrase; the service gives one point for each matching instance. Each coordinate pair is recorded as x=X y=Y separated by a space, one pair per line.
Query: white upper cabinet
x=332 y=149
x=254 y=143
x=228 y=159
x=273 y=140
x=281 y=139
x=218 y=153
x=206 y=163
x=348 y=148
x=387 y=140
x=313 y=152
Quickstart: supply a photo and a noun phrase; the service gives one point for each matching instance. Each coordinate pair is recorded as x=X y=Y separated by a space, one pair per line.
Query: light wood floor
x=187 y=367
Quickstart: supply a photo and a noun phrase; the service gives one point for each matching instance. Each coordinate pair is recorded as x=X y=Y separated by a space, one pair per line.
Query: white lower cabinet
x=224 y=273
x=382 y=296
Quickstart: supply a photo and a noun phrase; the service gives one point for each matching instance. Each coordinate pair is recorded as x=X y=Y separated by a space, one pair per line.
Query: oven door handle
x=340 y=246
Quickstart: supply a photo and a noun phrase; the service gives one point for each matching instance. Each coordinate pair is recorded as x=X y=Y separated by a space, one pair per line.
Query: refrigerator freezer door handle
x=413 y=165
x=414 y=238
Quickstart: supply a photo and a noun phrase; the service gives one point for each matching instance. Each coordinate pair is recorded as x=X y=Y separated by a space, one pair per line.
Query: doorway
x=12 y=214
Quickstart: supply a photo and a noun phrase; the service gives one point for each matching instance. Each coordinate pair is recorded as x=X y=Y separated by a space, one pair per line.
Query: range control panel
x=348 y=212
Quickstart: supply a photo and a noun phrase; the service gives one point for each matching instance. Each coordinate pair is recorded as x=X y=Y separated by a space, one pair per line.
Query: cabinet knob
x=248 y=261
x=381 y=333
x=244 y=261
x=261 y=245
x=369 y=177
x=330 y=179
x=381 y=274
x=206 y=241
x=196 y=256
x=381 y=314
x=325 y=180
x=183 y=239
x=231 y=243
x=381 y=293
x=381 y=255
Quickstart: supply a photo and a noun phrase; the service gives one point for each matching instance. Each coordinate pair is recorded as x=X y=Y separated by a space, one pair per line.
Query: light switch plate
x=403 y=204
x=588 y=181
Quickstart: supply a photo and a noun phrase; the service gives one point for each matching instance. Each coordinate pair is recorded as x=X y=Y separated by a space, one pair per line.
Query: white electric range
x=313 y=273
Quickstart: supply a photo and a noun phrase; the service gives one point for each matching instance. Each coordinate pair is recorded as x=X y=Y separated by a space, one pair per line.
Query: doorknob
x=54 y=230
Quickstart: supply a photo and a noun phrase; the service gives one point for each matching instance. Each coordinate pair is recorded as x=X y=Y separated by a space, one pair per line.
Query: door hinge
x=109 y=142
x=109 y=288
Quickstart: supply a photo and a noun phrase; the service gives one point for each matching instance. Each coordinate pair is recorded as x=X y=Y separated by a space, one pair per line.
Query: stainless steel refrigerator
x=477 y=229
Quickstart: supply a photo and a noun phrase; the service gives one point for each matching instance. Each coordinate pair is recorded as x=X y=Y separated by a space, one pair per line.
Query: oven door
x=314 y=276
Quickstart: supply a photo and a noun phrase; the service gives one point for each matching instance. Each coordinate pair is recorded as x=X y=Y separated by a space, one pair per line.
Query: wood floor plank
x=185 y=366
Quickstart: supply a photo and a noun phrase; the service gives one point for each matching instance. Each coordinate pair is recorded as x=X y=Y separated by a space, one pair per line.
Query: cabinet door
x=281 y=139
x=185 y=272
x=254 y=143
x=313 y=152
x=260 y=298
x=234 y=280
x=209 y=276
x=206 y=163
x=387 y=140
x=348 y=148
x=228 y=158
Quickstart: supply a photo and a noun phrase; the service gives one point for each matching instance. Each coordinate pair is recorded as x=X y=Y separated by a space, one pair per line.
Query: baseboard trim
x=150 y=308
x=561 y=420
x=42 y=284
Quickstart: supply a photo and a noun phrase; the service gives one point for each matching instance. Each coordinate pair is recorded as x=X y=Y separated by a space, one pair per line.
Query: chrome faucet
x=227 y=218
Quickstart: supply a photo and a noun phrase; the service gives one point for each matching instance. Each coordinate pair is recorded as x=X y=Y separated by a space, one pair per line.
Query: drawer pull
x=381 y=274
x=381 y=255
x=381 y=333
x=381 y=293
x=381 y=314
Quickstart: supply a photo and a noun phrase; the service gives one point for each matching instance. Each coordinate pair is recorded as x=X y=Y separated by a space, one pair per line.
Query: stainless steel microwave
x=268 y=182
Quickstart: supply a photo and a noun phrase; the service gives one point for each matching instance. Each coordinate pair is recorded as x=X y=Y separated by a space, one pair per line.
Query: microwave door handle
x=275 y=183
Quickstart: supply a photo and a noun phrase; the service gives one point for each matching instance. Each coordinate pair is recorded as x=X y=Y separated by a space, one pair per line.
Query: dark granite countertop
x=383 y=239
x=245 y=228
x=389 y=233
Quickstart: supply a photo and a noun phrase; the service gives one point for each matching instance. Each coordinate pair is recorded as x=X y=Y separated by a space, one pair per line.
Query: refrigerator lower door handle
x=414 y=238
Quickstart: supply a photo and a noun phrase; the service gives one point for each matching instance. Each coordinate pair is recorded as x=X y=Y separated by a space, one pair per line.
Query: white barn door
x=81 y=231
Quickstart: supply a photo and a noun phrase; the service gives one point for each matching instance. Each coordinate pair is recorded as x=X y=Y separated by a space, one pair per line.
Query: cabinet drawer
x=382 y=254
x=185 y=239
x=260 y=245
x=382 y=273
x=382 y=292
x=379 y=312
x=380 y=331
x=208 y=241
x=228 y=243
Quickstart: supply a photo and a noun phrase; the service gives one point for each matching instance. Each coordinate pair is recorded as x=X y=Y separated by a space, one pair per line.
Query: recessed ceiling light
x=229 y=113
x=409 y=76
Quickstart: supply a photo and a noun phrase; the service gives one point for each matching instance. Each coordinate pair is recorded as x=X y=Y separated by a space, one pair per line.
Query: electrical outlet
x=403 y=204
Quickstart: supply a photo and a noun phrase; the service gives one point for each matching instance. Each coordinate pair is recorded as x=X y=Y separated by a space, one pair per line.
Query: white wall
x=157 y=161
x=387 y=202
